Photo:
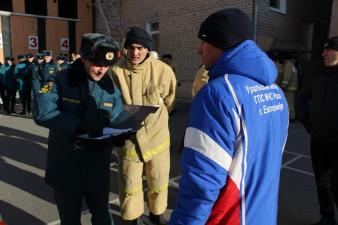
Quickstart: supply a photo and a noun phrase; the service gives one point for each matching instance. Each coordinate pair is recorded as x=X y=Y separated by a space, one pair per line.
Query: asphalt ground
x=26 y=200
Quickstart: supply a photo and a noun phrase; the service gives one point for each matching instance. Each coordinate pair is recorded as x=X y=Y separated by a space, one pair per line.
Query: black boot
x=138 y=221
x=158 y=219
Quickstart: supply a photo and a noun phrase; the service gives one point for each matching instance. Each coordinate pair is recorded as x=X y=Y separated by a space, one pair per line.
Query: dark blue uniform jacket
x=61 y=106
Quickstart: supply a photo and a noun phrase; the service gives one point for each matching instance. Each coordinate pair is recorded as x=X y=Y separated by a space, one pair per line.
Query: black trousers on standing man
x=325 y=166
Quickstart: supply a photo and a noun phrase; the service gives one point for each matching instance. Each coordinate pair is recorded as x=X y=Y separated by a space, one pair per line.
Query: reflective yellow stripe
x=292 y=89
x=131 y=153
x=133 y=191
x=159 y=189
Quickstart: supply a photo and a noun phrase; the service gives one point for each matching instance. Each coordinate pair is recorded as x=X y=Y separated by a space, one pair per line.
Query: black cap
x=62 y=56
x=226 y=28
x=39 y=56
x=99 y=49
x=47 y=53
x=137 y=35
x=332 y=43
x=21 y=56
x=11 y=58
x=29 y=55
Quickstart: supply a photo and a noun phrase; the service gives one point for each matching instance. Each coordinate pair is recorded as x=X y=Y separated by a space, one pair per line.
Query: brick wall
x=285 y=26
x=179 y=22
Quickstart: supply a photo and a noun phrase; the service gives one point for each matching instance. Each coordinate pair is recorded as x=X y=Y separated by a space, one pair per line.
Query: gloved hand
x=120 y=140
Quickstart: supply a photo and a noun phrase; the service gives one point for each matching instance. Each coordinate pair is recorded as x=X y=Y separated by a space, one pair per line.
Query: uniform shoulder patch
x=47 y=87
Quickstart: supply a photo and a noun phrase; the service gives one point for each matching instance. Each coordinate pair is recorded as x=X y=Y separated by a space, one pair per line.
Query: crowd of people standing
x=22 y=80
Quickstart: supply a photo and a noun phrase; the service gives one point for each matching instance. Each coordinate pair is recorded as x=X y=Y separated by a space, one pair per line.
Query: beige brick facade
x=179 y=21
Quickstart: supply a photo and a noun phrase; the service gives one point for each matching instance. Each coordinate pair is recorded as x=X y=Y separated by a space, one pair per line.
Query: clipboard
x=132 y=117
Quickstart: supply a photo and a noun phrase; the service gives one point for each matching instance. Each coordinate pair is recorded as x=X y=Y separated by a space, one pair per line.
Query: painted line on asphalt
x=299 y=171
x=295 y=153
x=23 y=166
x=291 y=161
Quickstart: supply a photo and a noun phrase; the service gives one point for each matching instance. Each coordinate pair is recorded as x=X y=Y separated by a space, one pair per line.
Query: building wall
x=52 y=8
x=49 y=29
x=334 y=19
x=2 y=43
x=178 y=26
x=285 y=26
x=55 y=30
x=84 y=9
x=21 y=28
x=111 y=11
x=179 y=21
x=18 y=6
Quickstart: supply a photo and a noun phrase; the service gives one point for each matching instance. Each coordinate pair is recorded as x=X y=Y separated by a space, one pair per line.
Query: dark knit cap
x=226 y=28
x=139 y=36
x=332 y=43
x=99 y=49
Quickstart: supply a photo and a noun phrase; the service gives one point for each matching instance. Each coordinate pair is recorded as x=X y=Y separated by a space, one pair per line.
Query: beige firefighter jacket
x=151 y=83
x=290 y=76
x=201 y=78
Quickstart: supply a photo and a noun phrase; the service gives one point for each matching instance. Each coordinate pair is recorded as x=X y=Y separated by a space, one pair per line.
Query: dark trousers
x=11 y=99
x=3 y=97
x=69 y=205
x=26 y=100
x=325 y=166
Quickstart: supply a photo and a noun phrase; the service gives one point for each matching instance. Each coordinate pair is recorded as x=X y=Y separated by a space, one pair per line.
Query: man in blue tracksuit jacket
x=236 y=132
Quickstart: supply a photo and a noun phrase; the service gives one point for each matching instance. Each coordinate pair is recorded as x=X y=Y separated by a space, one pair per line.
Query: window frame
x=282 y=7
x=153 y=33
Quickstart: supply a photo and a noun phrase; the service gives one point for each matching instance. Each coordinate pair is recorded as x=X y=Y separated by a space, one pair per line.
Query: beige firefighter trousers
x=131 y=189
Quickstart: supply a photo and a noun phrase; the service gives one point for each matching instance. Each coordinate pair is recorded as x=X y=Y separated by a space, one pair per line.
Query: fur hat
x=137 y=35
x=226 y=28
x=332 y=43
x=99 y=49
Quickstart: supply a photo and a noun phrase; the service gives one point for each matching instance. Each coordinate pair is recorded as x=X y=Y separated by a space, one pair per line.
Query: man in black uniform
x=81 y=99
x=317 y=109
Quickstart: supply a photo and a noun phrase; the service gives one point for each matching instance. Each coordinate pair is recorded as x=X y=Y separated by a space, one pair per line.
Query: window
x=36 y=7
x=6 y=5
x=154 y=30
x=278 y=6
x=67 y=8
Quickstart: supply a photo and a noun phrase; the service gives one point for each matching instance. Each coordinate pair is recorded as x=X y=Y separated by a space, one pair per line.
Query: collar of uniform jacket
x=77 y=76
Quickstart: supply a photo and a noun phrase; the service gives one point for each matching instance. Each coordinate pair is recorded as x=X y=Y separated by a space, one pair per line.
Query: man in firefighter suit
x=81 y=100
x=289 y=85
x=201 y=78
x=144 y=80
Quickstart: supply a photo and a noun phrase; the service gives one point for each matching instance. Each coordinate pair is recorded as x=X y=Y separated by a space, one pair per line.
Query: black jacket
x=317 y=103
